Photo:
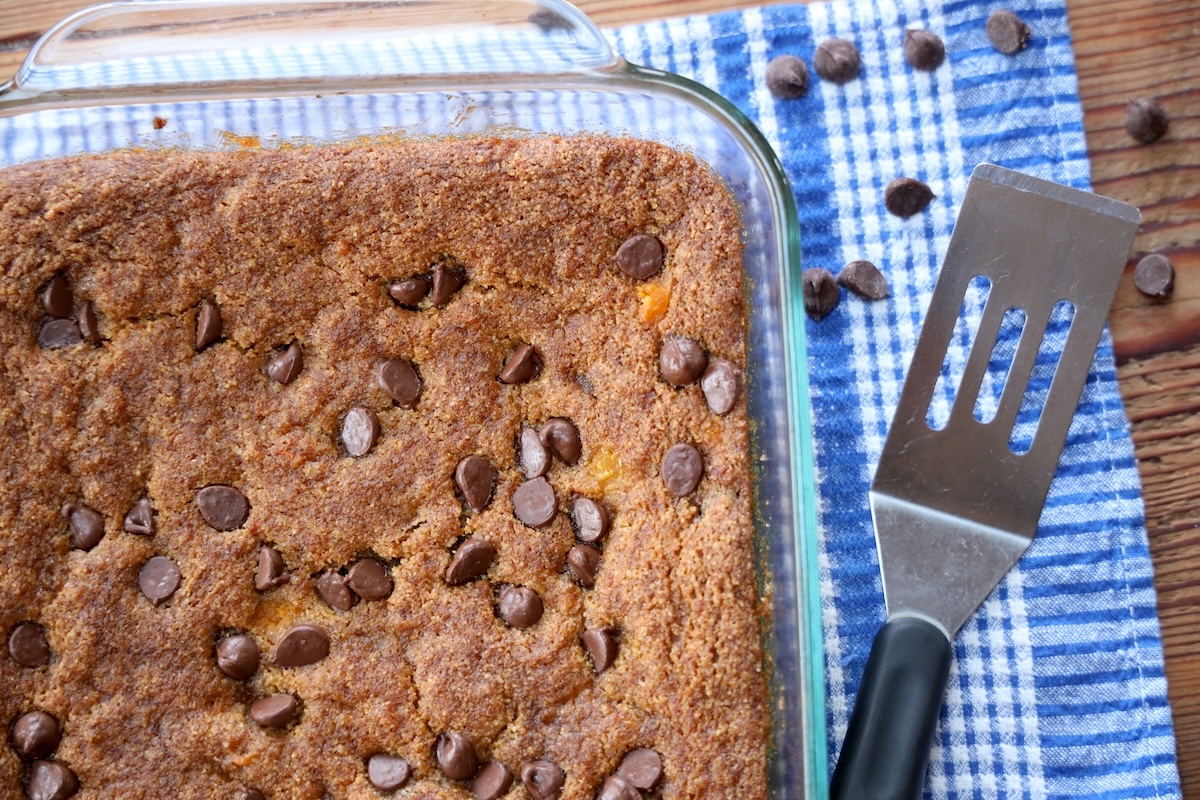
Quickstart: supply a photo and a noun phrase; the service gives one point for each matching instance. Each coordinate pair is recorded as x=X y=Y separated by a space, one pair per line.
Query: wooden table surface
x=1124 y=49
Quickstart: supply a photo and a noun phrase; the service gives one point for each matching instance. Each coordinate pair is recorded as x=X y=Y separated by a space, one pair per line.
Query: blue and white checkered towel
x=1057 y=689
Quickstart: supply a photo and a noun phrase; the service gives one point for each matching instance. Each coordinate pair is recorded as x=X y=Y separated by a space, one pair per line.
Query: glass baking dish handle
x=145 y=49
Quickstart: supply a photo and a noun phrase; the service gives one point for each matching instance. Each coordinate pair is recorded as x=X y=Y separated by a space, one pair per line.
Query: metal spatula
x=955 y=508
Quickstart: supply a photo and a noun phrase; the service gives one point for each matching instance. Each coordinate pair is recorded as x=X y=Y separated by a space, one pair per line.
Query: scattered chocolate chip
x=49 y=780
x=301 y=645
x=533 y=502
x=641 y=256
x=820 y=292
x=534 y=457
x=28 y=646
x=492 y=781
x=140 y=518
x=474 y=477
x=923 y=49
x=369 y=579
x=409 y=292
x=388 y=772
x=246 y=793
x=471 y=560
x=561 y=437
x=721 y=385
x=548 y=20
x=85 y=525
x=333 y=590
x=222 y=507
x=787 y=77
x=682 y=467
x=617 y=788
x=285 y=367
x=456 y=756
x=519 y=606
x=521 y=366
x=601 y=645
x=865 y=280
x=35 y=734
x=1154 y=275
x=591 y=519
x=159 y=579
x=1007 y=32
x=1145 y=119
x=275 y=710
x=360 y=431
x=446 y=281
x=583 y=561
x=58 y=333
x=271 y=571
x=905 y=197
x=237 y=656
x=209 y=327
x=837 y=60
x=643 y=769
x=89 y=327
x=681 y=361
x=57 y=298
x=399 y=379
x=543 y=780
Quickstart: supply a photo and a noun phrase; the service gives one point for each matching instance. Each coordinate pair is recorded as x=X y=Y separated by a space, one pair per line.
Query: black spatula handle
x=891 y=727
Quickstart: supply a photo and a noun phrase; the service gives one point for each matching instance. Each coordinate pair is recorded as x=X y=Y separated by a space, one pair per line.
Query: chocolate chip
x=519 y=606
x=222 y=507
x=89 y=327
x=601 y=644
x=534 y=457
x=49 y=780
x=474 y=477
x=642 y=768
x=333 y=590
x=85 y=526
x=837 y=60
x=28 y=646
x=409 y=292
x=35 y=734
x=56 y=296
x=590 y=518
x=681 y=361
x=446 y=281
x=246 y=793
x=388 y=772
x=548 y=20
x=140 y=518
x=58 y=333
x=923 y=49
x=641 y=256
x=1007 y=32
x=905 y=197
x=271 y=571
x=617 y=788
x=543 y=780
x=301 y=646
x=370 y=579
x=238 y=656
x=360 y=431
x=275 y=710
x=521 y=366
x=533 y=502
x=455 y=756
x=682 y=468
x=285 y=367
x=721 y=385
x=865 y=280
x=1154 y=275
x=1145 y=119
x=787 y=77
x=399 y=379
x=159 y=579
x=583 y=561
x=492 y=781
x=472 y=560
x=209 y=327
x=820 y=292
x=561 y=437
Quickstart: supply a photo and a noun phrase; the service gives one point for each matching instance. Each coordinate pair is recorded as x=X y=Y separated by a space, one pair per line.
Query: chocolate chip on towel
x=1007 y=32
x=865 y=280
x=787 y=77
x=837 y=60
x=905 y=197
x=820 y=292
x=923 y=49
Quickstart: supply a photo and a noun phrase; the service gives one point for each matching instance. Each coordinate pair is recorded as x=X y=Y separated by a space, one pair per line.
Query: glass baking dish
x=221 y=74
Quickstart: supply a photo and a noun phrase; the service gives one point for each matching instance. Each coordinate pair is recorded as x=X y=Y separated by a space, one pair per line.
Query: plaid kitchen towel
x=1057 y=688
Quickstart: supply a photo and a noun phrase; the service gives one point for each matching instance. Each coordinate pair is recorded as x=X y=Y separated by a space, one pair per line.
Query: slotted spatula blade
x=954 y=508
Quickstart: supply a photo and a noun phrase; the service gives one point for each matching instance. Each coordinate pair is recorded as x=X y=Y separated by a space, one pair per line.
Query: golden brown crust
x=301 y=245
